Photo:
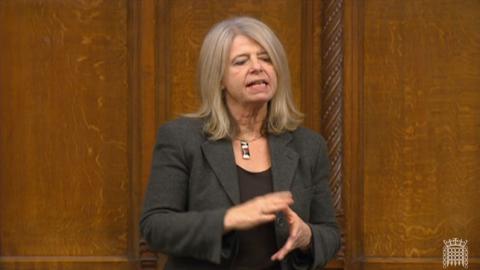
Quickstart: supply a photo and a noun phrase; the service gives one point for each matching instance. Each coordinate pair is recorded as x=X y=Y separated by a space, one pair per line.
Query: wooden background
x=85 y=84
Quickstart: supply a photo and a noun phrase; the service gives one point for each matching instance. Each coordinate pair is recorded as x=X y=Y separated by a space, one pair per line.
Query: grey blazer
x=194 y=181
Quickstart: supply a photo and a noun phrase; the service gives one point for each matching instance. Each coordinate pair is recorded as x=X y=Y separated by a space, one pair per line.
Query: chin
x=259 y=101
x=261 y=96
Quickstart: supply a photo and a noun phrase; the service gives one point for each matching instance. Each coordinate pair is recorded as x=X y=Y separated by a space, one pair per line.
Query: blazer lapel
x=219 y=155
x=284 y=161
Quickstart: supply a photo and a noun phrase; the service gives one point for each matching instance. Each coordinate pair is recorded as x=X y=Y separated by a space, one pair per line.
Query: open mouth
x=257 y=82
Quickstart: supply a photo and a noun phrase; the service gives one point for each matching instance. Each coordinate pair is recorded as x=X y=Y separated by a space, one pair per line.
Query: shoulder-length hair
x=282 y=114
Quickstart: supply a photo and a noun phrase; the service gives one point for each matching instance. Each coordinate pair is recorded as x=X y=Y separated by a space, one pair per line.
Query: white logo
x=455 y=252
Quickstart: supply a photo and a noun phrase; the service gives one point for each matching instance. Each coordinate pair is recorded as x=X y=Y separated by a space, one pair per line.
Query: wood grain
x=64 y=182
x=85 y=84
x=353 y=138
x=66 y=262
x=408 y=66
x=422 y=127
x=311 y=64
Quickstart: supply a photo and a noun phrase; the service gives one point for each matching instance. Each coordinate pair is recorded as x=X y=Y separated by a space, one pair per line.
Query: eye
x=239 y=62
x=266 y=59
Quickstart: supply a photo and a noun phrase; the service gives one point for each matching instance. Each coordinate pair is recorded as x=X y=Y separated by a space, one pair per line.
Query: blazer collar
x=284 y=161
x=219 y=155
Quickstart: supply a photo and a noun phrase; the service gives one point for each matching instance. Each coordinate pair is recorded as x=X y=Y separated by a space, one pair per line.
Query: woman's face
x=250 y=78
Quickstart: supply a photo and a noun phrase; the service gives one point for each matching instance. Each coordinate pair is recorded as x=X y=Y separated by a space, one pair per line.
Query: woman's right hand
x=259 y=210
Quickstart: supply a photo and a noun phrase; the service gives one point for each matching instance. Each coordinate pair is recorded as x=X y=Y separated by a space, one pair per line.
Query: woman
x=239 y=185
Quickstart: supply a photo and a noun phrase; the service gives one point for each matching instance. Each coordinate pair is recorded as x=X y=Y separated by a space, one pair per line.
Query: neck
x=249 y=121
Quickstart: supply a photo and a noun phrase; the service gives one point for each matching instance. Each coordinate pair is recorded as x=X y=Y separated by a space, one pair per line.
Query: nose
x=256 y=66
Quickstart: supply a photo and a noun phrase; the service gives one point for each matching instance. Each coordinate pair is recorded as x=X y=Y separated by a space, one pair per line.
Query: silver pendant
x=245 y=149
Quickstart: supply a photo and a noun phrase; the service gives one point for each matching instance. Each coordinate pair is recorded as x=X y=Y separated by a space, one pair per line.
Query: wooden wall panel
x=85 y=84
x=64 y=182
x=419 y=131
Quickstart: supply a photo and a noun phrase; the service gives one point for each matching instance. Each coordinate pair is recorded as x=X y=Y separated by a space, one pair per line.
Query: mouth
x=261 y=82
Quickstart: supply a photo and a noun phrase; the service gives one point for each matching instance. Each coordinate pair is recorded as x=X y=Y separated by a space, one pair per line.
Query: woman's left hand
x=300 y=235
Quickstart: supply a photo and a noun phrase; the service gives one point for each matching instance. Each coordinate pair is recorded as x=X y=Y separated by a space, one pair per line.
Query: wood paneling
x=353 y=127
x=311 y=63
x=64 y=106
x=85 y=84
x=416 y=70
x=422 y=123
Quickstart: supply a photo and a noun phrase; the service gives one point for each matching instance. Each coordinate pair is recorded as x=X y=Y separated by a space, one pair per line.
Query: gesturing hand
x=300 y=235
x=256 y=211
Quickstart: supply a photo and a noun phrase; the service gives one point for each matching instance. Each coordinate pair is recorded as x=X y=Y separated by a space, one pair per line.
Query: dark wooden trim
x=134 y=125
x=311 y=103
x=160 y=18
x=307 y=70
x=148 y=74
x=354 y=138
x=144 y=108
x=162 y=65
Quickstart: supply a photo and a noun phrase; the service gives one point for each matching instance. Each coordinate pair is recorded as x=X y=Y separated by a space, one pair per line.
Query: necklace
x=245 y=147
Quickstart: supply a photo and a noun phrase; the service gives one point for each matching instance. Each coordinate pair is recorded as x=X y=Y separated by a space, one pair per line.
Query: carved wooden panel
x=332 y=100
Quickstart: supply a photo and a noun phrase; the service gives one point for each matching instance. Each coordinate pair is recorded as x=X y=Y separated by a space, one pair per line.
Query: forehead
x=243 y=44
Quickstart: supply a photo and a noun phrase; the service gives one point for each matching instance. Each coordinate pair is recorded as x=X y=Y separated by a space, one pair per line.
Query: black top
x=258 y=244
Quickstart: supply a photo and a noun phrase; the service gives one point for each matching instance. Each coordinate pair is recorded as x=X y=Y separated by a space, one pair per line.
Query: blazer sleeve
x=166 y=224
x=325 y=231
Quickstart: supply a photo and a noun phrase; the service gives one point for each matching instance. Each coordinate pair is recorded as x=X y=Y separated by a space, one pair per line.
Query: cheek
x=274 y=80
x=234 y=78
x=273 y=75
x=229 y=80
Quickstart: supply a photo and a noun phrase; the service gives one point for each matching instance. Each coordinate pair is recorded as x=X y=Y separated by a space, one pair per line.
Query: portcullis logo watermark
x=455 y=252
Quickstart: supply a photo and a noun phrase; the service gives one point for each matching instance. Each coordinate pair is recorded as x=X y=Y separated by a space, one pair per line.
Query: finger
x=290 y=244
x=277 y=197
x=272 y=209
x=298 y=229
x=279 y=255
x=281 y=194
x=260 y=219
x=296 y=224
x=273 y=204
x=290 y=215
x=268 y=218
x=274 y=198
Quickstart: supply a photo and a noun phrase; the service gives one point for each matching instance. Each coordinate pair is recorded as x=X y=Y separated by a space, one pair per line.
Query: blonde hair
x=282 y=113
